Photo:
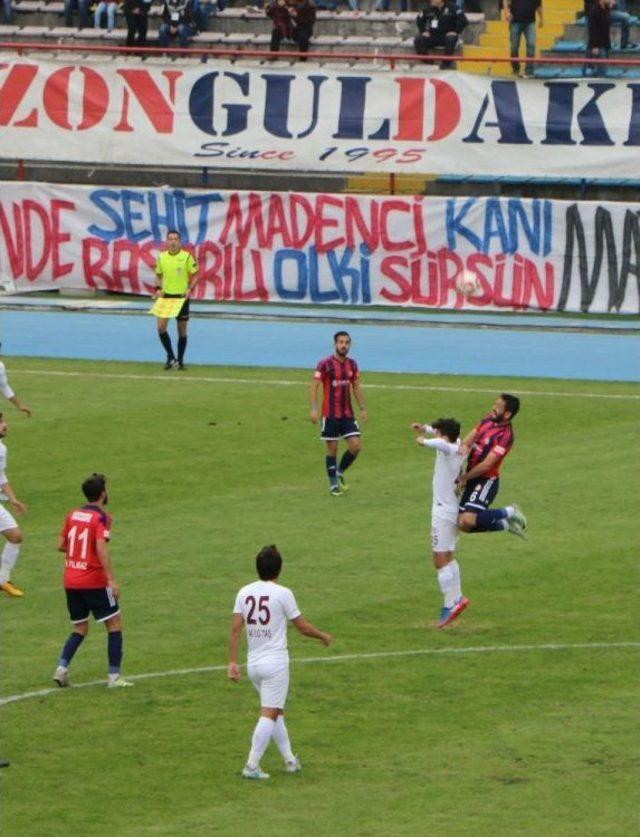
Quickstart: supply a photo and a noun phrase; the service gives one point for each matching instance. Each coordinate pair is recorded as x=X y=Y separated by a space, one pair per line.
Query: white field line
x=175 y=377
x=341 y=658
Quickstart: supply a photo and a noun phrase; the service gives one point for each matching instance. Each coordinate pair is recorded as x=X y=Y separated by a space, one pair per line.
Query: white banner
x=227 y=115
x=322 y=249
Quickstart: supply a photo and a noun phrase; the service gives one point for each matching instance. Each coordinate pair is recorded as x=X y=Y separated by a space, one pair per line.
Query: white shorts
x=444 y=534
x=271 y=681
x=6 y=520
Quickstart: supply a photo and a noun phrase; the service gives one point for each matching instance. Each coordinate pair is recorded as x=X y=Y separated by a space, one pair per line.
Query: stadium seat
x=211 y=39
x=568 y=46
x=354 y=43
x=327 y=43
x=32 y=32
x=237 y=40
x=28 y=6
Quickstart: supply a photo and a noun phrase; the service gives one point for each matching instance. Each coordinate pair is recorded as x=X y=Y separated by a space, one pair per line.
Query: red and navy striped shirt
x=337 y=379
x=490 y=438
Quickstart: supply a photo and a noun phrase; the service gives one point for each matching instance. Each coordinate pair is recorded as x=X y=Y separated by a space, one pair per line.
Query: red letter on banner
x=410 y=109
x=447 y=110
x=95 y=98
x=13 y=92
x=149 y=97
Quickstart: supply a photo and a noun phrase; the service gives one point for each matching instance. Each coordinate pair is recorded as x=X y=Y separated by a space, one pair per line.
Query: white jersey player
x=9 y=394
x=265 y=608
x=8 y=526
x=444 y=511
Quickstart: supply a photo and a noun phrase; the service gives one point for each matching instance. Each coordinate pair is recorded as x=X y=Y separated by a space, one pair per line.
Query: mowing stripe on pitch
x=341 y=658
x=284 y=383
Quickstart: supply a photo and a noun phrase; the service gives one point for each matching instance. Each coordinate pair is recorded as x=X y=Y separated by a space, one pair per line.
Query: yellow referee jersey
x=174 y=269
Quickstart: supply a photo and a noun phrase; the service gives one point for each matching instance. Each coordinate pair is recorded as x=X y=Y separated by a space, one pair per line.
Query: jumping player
x=88 y=580
x=265 y=607
x=339 y=375
x=488 y=444
x=444 y=511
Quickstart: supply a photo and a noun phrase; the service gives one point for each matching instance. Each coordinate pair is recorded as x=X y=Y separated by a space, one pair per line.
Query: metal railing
x=392 y=59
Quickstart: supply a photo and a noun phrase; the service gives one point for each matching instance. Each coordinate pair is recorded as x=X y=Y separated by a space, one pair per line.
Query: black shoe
x=171 y=363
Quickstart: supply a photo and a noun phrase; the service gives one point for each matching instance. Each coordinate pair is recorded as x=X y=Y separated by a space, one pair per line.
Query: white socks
x=9 y=557
x=446 y=580
x=281 y=737
x=455 y=569
x=260 y=741
x=449 y=581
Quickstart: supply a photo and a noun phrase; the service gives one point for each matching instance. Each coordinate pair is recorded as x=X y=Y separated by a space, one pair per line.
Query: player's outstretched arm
x=21 y=406
x=233 y=669
x=102 y=548
x=313 y=400
x=480 y=469
x=307 y=629
x=357 y=391
x=10 y=494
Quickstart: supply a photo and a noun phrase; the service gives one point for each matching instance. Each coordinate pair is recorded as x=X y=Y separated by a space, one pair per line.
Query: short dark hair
x=449 y=427
x=341 y=334
x=269 y=562
x=94 y=486
x=511 y=403
x=173 y=232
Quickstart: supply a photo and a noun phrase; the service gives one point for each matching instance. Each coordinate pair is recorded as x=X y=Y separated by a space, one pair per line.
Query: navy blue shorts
x=338 y=428
x=479 y=493
x=99 y=601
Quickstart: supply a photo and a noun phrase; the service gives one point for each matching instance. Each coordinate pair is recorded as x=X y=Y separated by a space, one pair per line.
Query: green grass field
x=529 y=741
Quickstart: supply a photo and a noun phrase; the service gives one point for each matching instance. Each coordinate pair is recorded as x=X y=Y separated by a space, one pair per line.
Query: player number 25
x=263 y=610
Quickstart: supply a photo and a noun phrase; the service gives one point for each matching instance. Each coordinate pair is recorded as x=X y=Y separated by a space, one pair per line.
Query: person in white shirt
x=444 y=511
x=9 y=394
x=265 y=607
x=8 y=526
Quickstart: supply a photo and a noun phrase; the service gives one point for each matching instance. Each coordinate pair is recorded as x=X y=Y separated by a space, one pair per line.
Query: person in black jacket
x=304 y=17
x=136 y=14
x=178 y=21
x=439 y=25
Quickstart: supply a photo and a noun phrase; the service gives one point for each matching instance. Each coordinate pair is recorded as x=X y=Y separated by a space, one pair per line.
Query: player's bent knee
x=81 y=628
x=13 y=535
x=113 y=624
x=466 y=522
x=270 y=712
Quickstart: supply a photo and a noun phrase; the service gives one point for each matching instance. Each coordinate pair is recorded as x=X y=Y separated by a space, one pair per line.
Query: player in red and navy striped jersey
x=339 y=376
x=89 y=582
x=488 y=444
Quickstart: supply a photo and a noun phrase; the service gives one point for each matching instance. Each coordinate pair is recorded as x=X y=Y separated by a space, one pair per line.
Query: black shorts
x=99 y=601
x=336 y=428
x=184 y=311
x=479 y=493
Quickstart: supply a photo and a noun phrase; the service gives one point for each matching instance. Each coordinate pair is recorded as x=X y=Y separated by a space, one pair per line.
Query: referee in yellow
x=176 y=276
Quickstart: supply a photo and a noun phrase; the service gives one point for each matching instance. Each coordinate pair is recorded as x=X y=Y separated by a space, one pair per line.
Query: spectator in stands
x=599 y=33
x=205 y=10
x=178 y=21
x=83 y=13
x=110 y=7
x=619 y=15
x=383 y=5
x=280 y=15
x=304 y=18
x=136 y=13
x=439 y=25
x=6 y=11
x=521 y=15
